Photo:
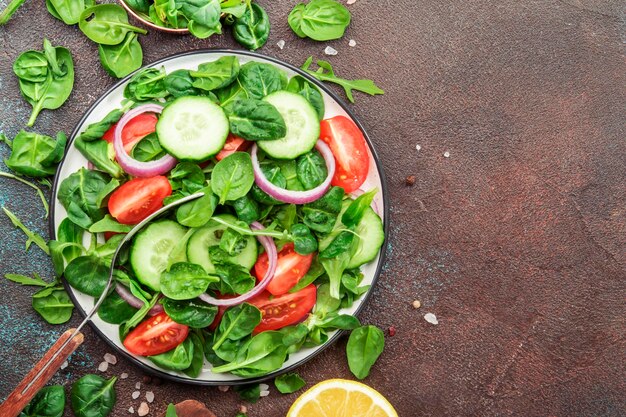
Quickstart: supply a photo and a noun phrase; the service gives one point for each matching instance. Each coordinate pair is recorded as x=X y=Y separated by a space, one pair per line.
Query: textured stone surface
x=516 y=241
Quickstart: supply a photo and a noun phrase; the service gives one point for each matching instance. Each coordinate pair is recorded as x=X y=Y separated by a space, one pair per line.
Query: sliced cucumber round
x=209 y=235
x=150 y=251
x=370 y=240
x=303 y=126
x=192 y=128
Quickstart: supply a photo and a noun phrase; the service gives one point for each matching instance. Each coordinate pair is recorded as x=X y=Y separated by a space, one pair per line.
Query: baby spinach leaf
x=87 y=274
x=321 y=215
x=101 y=154
x=315 y=271
x=109 y=224
x=247 y=209
x=295 y=19
x=122 y=59
x=32 y=236
x=203 y=16
x=106 y=24
x=311 y=169
x=354 y=213
x=48 y=402
x=232 y=242
x=185 y=281
x=147 y=84
x=31 y=66
x=274 y=175
x=216 y=74
x=171 y=411
x=148 y=149
x=300 y=85
x=79 y=194
x=303 y=240
x=264 y=353
x=115 y=310
x=256 y=120
x=68 y=11
x=288 y=383
x=326 y=73
x=176 y=359
x=93 y=396
x=260 y=79
x=250 y=392
x=97 y=130
x=234 y=279
x=36 y=155
x=237 y=323
x=252 y=29
x=324 y=20
x=335 y=321
x=53 y=304
x=193 y=313
x=197 y=359
x=230 y=94
x=232 y=177
x=342 y=242
x=363 y=349
x=198 y=212
x=142 y=6
x=179 y=83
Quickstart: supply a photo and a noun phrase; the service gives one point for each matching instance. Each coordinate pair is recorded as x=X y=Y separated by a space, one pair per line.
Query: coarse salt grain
x=330 y=51
x=110 y=358
x=64 y=365
x=143 y=409
x=352 y=42
x=418 y=147
x=351 y=1
x=138 y=385
x=431 y=318
x=280 y=44
x=264 y=387
x=243 y=409
x=103 y=366
x=135 y=394
x=124 y=375
x=223 y=388
x=264 y=393
x=446 y=154
x=150 y=396
x=131 y=410
x=417 y=304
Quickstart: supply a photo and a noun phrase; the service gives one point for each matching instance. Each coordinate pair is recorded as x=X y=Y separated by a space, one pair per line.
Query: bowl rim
x=386 y=212
x=152 y=25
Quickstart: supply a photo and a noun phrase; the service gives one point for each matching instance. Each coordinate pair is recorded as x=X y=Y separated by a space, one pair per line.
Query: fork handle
x=19 y=398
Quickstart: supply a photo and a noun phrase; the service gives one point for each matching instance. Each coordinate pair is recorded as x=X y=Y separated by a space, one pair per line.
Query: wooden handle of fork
x=19 y=398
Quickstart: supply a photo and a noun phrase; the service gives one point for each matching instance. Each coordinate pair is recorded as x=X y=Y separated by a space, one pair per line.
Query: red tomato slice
x=136 y=129
x=138 y=198
x=346 y=141
x=232 y=145
x=158 y=334
x=283 y=310
x=290 y=268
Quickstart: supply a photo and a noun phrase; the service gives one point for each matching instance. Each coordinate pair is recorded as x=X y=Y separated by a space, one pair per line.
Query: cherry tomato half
x=346 y=141
x=136 y=129
x=290 y=268
x=232 y=145
x=138 y=198
x=155 y=335
x=283 y=310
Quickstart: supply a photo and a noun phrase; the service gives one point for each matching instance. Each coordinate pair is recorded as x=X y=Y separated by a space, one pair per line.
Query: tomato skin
x=283 y=310
x=138 y=198
x=233 y=144
x=290 y=268
x=136 y=129
x=348 y=145
x=155 y=335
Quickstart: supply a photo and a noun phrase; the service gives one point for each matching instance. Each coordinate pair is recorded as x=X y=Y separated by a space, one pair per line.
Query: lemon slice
x=341 y=398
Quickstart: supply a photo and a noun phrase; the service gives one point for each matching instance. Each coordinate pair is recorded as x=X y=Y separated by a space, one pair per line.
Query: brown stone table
x=516 y=240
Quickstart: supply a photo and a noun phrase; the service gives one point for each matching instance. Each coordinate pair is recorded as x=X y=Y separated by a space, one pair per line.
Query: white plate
x=74 y=160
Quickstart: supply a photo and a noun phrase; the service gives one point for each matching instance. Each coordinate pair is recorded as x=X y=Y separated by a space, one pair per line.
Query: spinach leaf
x=274 y=174
x=256 y=120
x=303 y=240
x=300 y=85
x=53 y=304
x=363 y=349
x=354 y=213
x=321 y=215
x=101 y=154
x=260 y=79
x=197 y=359
x=115 y=310
x=96 y=131
x=230 y=94
x=342 y=242
x=177 y=359
x=288 y=383
x=335 y=321
x=106 y=24
x=193 y=313
x=36 y=155
x=198 y=212
x=147 y=84
x=232 y=242
x=203 y=16
x=247 y=209
x=216 y=74
x=288 y=168
x=179 y=83
x=148 y=149
x=32 y=236
x=234 y=279
x=252 y=29
x=250 y=392
x=93 y=396
x=88 y=274
x=237 y=323
x=232 y=177
x=185 y=281
x=295 y=19
x=122 y=59
x=31 y=66
x=325 y=303
x=48 y=402
x=79 y=194
x=171 y=411
x=264 y=353
x=10 y=10
x=142 y=6
x=315 y=271
x=311 y=169
x=324 y=20
x=68 y=11
x=293 y=336
x=109 y=224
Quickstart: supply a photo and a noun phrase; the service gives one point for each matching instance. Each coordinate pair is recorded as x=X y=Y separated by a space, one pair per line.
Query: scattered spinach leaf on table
x=250 y=392
x=106 y=24
x=320 y=20
x=288 y=383
x=93 y=396
x=122 y=59
x=363 y=349
x=252 y=29
x=36 y=155
x=48 y=402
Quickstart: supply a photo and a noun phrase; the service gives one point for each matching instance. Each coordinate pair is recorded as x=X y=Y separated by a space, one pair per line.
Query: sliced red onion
x=130 y=165
x=360 y=192
x=133 y=301
x=272 y=256
x=295 y=197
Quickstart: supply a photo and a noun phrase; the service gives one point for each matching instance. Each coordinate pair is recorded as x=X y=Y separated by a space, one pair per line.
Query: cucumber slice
x=371 y=238
x=303 y=126
x=203 y=238
x=150 y=251
x=192 y=128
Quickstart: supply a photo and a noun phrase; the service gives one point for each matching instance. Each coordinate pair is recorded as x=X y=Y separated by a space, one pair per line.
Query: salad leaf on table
x=252 y=29
x=68 y=11
x=32 y=236
x=43 y=199
x=295 y=19
x=288 y=383
x=122 y=59
x=48 y=402
x=250 y=392
x=106 y=24
x=93 y=396
x=363 y=349
x=36 y=155
x=320 y=20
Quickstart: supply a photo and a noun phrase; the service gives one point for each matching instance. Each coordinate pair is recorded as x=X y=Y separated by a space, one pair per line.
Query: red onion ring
x=130 y=165
x=272 y=255
x=360 y=192
x=295 y=197
x=133 y=301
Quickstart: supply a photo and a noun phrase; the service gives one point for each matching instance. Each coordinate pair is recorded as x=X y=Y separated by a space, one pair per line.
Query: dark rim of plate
x=381 y=261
